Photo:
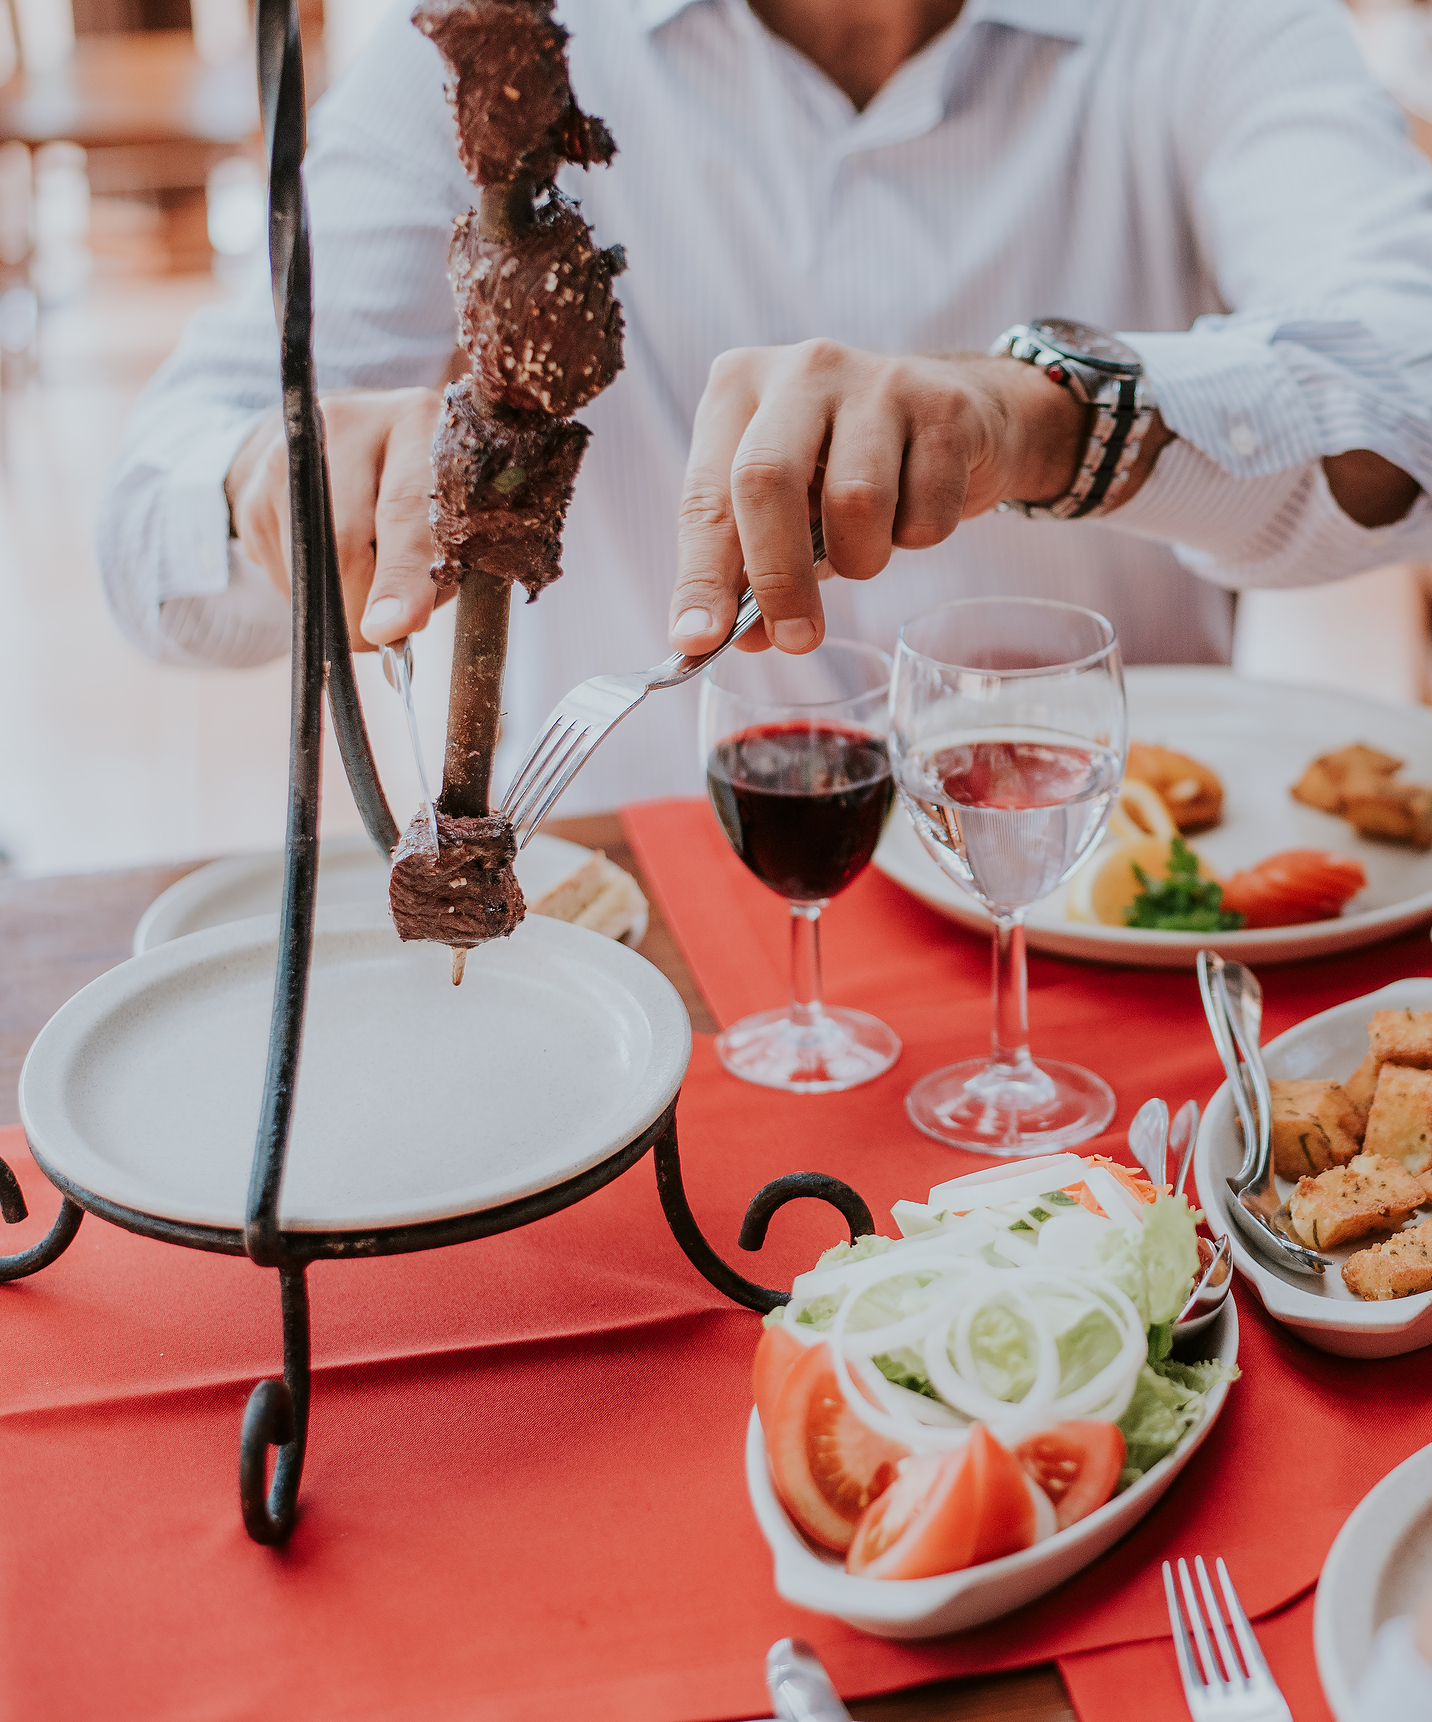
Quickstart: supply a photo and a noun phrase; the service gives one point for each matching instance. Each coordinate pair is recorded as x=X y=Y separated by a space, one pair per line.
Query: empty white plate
x=417 y=1100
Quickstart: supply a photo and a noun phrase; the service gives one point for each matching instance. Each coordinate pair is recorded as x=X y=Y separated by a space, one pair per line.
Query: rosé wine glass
x=798 y=772
x=1008 y=738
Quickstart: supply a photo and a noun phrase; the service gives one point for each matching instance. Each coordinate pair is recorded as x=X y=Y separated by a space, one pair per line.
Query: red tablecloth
x=524 y=1496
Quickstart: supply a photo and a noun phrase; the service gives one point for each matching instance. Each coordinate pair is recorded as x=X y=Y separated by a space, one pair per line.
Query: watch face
x=1089 y=345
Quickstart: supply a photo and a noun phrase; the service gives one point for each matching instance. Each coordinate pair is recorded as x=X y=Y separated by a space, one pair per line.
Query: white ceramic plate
x=928 y=1608
x=1321 y=1311
x=350 y=870
x=417 y=1100
x=1259 y=737
x=1379 y=1567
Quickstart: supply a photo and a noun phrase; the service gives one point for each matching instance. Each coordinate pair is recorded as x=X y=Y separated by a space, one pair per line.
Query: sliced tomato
x=827 y=1465
x=777 y=1353
x=1298 y=885
x=1076 y=1464
x=946 y=1512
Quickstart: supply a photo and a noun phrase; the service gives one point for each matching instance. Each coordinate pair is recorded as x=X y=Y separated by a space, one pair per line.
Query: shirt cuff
x=1189 y=499
x=194 y=558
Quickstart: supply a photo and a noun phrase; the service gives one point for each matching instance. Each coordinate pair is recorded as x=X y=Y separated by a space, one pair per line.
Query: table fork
x=593 y=710
x=1228 y=1694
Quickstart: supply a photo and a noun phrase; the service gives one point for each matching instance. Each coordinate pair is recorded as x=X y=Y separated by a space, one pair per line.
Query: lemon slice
x=1139 y=811
x=1105 y=888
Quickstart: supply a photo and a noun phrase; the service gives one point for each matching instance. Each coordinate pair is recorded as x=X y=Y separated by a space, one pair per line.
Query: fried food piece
x=1400 y=1123
x=1361 y=1086
x=1401 y=1037
x=1315 y=1125
x=1355 y=770
x=537 y=315
x=1397 y=1267
x=503 y=481
x=509 y=91
x=1191 y=791
x=1394 y=813
x=465 y=894
x=1370 y=1194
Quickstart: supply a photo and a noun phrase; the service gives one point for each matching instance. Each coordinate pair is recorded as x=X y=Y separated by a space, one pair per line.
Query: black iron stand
x=277 y=1413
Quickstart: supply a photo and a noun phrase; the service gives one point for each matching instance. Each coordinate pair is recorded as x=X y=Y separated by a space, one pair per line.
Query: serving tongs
x=1233 y=1004
x=398 y=668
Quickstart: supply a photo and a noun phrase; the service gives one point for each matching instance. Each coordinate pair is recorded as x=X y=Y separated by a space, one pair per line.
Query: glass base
x=1011 y=1110
x=841 y=1050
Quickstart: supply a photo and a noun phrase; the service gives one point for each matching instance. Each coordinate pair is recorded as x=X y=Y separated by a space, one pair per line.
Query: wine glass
x=1008 y=737
x=798 y=771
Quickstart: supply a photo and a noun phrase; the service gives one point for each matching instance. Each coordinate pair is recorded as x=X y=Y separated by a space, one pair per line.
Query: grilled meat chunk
x=465 y=894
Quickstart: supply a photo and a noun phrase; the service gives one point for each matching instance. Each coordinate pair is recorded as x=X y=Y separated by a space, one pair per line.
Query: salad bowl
x=1321 y=1311
x=930 y=1607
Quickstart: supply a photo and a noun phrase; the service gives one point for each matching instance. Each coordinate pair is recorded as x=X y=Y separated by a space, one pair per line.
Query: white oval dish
x=928 y=1608
x=1321 y=1311
x=417 y=1100
x=1213 y=715
x=1379 y=1567
x=350 y=871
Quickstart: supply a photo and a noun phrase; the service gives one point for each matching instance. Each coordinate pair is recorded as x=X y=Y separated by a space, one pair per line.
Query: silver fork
x=593 y=710
x=1228 y=1694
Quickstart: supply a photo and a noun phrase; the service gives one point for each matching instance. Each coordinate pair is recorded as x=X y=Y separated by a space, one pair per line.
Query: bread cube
x=1400 y=1123
x=1315 y=1125
x=1370 y=1194
x=1402 y=1037
x=1355 y=770
x=1398 y=1267
x=1362 y=1085
x=1394 y=813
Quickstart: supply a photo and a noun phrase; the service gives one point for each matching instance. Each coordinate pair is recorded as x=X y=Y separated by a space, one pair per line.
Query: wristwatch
x=1107 y=376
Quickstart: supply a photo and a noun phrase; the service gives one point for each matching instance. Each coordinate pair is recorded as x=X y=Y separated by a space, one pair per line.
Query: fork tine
x=1211 y=1675
x=1253 y=1658
x=1182 y=1647
x=553 y=760
x=1231 y=1666
x=519 y=782
x=581 y=748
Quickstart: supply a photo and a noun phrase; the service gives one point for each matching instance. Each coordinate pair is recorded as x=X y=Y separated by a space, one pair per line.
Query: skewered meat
x=537 y=313
x=503 y=481
x=465 y=894
x=507 y=83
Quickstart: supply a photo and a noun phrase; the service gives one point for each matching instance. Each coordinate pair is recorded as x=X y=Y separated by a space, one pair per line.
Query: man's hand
x=889 y=451
x=380 y=461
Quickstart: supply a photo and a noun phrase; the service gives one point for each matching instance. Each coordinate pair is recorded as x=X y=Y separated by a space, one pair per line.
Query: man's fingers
x=709 y=563
x=862 y=487
x=400 y=600
x=934 y=483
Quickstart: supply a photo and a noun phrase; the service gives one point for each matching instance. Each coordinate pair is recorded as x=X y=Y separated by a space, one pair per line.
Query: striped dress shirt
x=1219 y=181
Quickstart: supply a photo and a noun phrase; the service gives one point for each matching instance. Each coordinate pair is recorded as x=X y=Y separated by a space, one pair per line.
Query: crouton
x=1393 y=812
x=1362 y=1085
x=1355 y=770
x=1398 y=1267
x=1369 y=1194
x=1400 y=1123
x=1190 y=790
x=1402 y=1037
x=1315 y=1125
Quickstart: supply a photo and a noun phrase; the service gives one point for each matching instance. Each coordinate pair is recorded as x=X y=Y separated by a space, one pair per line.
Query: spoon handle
x=1210 y=965
x=1253 y=1059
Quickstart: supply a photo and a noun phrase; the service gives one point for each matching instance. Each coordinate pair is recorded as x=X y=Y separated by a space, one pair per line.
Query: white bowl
x=417 y=1100
x=1321 y=1311
x=928 y=1608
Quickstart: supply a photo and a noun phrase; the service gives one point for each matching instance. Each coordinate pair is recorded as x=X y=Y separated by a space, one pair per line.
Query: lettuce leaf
x=1154 y=1265
x=1168 y=1401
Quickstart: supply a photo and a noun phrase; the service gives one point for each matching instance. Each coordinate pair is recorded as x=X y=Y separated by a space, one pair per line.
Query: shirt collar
x=1066 y=19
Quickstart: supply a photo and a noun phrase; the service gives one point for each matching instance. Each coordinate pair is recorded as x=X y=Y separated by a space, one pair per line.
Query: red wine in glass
x=802 y=803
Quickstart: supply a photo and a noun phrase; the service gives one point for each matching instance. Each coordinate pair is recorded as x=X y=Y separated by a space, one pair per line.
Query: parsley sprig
x=1184 y=902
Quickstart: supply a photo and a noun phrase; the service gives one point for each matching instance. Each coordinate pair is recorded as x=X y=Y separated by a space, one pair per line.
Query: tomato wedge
x=1076 y=1464
x=777 y=1353
x=826 y=1464
x=1296 y=886
x=946 y=1512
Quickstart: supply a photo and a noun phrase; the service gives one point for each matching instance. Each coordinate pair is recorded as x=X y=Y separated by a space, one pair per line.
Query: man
x=824 y=192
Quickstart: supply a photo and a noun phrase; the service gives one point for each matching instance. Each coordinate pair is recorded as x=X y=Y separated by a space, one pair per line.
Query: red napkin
x=524 y=1495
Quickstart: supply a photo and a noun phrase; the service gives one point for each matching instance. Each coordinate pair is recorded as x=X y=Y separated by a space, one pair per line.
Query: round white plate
x=1321 y=1311
x=417 y=1100
x=813 y=1578
x=1379 y=1567
x=350 y=870
x=1259 y=737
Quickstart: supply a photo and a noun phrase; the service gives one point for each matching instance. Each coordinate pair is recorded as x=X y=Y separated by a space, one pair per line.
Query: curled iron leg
x=54 y=1243
x=753 y=1230
x=277 y=1416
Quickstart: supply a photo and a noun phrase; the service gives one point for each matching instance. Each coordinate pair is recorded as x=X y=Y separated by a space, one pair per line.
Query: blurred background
x=131 y=193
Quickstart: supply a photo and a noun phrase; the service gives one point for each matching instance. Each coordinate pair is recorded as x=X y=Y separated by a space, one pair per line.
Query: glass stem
x=1010 y=1039
x=806 y=991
